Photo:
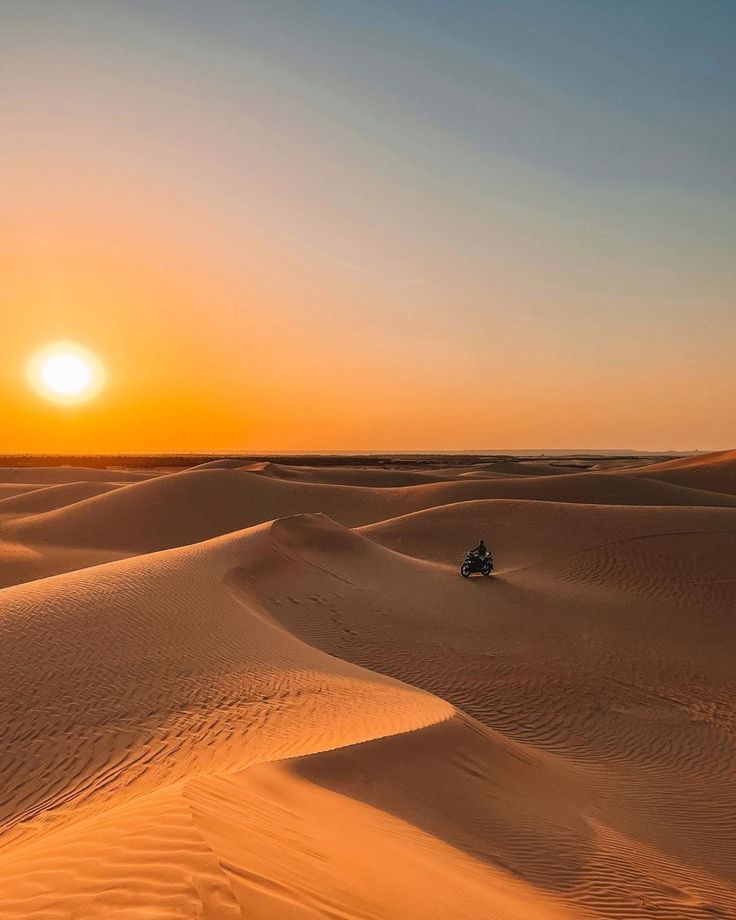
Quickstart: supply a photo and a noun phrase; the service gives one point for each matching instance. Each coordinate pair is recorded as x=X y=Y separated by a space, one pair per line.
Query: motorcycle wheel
x=465 y=570
x=486 y=570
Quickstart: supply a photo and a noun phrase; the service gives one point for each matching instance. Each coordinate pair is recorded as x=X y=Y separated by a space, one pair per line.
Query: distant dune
x=48 y=498
x=713 y=472
x=264 y=691
x=53 y=475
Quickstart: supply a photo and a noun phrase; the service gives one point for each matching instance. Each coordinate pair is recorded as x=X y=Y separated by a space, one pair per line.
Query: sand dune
x=9 y=490
x=372 y=478
x=267 y=693
x=226 y=463
x=518 y=468
x=618 y=709
x=48 y=498
x=53 y=475
x=524 y=533
x=714 y=472
x=136 y=695
x=187 y=507
x=20 y=562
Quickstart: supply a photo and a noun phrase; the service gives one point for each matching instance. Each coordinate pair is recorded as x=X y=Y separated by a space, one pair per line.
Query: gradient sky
x=330 y=224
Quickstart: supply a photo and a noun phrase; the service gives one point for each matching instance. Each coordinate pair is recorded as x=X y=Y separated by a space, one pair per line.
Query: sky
x=319 y=225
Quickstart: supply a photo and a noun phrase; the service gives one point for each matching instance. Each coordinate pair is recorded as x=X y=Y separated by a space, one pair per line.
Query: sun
x=66 y=373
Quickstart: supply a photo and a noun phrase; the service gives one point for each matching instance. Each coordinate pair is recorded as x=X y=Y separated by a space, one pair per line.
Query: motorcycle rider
x=477 y=560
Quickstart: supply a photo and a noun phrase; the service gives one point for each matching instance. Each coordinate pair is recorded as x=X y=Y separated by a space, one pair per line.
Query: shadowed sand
x=264 y=691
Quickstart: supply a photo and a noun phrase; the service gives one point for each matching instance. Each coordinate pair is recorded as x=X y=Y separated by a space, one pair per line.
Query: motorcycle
x=472 y=563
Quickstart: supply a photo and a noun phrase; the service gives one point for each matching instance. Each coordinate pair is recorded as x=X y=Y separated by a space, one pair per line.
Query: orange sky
x=280 y=236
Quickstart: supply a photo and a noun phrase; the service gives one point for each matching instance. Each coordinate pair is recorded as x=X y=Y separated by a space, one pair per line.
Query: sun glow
x=66 y=373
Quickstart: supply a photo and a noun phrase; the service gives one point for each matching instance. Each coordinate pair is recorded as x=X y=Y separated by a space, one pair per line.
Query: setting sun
x=66 y=373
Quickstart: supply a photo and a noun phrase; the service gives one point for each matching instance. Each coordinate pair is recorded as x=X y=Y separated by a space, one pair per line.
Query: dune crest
x=715 y=472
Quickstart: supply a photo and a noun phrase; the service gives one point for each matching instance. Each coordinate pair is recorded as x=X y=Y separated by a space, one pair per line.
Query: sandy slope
x=54 y=475
x=336 y=476
x=187 y=507
x=232 y=705
x=715 y=472
x=47 y=498
x=523 y=533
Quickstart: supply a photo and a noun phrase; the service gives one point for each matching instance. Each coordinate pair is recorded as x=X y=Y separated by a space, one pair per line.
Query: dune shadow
x=458 y=784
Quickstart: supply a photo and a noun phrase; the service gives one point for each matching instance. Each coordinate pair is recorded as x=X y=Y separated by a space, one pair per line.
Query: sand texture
x=262 y=691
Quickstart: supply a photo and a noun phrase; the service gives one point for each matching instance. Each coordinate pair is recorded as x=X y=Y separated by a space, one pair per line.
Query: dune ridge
x=266 y=692
x=56 y=475
x=49 y=498
x=187 y=507
x=714 y=472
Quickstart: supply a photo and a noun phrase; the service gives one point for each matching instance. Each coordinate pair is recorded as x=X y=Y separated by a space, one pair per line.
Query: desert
x=260 y=689
x=367 y=468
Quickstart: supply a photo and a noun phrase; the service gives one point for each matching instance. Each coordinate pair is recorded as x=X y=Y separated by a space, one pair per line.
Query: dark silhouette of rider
x=480 y=550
